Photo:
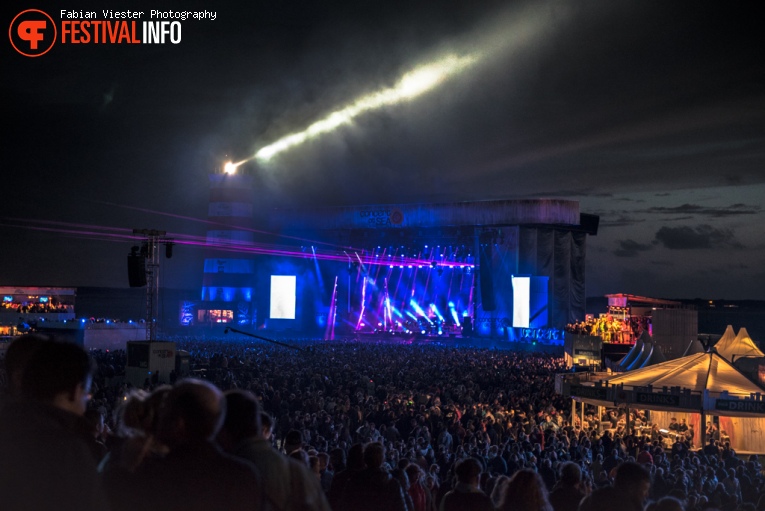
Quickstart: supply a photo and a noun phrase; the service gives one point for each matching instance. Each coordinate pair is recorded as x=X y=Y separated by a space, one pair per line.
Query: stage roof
x=34 y=290
x=623 y=299
x=552 y=212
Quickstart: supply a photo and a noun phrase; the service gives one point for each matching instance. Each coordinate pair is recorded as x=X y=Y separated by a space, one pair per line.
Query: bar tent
x=694 y=387
x=694 y=347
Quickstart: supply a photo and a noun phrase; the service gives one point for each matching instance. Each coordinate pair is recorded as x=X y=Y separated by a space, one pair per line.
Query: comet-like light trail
x=411 y=85
x=507 y=33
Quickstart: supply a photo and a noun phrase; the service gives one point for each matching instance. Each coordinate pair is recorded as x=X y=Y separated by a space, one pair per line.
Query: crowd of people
x=611 y=328
x=338 y=426
x=37 y=308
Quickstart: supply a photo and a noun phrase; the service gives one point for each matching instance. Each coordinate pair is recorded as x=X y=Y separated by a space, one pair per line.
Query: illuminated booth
x=699 y=388
x=228 y=278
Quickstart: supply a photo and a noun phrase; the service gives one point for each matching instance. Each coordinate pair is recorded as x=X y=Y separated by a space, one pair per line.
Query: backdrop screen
x=283 y=296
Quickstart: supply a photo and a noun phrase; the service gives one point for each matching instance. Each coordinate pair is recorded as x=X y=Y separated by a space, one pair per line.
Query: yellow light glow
x=229 y=168
x=412 y=84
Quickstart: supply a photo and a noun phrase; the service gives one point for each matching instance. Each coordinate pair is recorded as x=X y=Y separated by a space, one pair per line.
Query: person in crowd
x=293 y=442
x=525 y=491
x=570 y=489
x=612 y=461
x=690 y=436
x=17 y=356
x=732 y=485
x=95 y=421
x=633 y=482
x=195 y=474
x=337 y=461
x=355 y=464
x=373 y=488
x=417 y=490
x=712 y=431
x=712 y=449
x=325 y=473
x=45 y=461
x=467 y=494
x=645 y=457
x=246 y=433
x=497 y=490
x=400 y=475
x=137 y=430
x=605 y=498
x=301 y=456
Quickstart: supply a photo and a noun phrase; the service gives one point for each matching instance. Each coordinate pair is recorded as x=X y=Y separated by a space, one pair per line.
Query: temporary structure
x=699 y=385
x=737 y=347
x=693 y=348
x=656 y=356
x=697 y=373
x=634 y=353
x=650 y=354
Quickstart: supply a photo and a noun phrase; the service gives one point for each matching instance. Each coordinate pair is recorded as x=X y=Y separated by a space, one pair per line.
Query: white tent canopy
x=693 y=348
x=742 y=345
x=699 y=372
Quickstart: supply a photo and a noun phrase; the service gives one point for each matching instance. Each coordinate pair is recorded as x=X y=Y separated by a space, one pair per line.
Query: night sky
x=650 y=113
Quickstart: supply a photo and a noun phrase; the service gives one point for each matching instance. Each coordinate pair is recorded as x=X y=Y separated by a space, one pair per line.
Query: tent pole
x=703 y=428
x=600 y=419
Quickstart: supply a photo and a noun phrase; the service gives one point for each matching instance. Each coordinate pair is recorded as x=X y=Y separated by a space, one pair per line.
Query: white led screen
x=283 y=296
x=521 y=298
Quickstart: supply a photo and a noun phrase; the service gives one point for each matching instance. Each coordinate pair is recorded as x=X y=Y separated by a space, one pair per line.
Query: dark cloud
x=571 y=193
x=734 y=180
x=630 y=248
x=702 y=236
x=614 y=219
x=695 y=209
x=628 y=199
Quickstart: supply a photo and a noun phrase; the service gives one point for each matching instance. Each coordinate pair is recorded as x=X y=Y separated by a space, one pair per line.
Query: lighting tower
x=229 y=272
x=152 y=239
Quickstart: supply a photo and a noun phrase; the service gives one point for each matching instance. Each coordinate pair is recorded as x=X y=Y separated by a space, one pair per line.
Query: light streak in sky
x=411 y=85
x=509 y=32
